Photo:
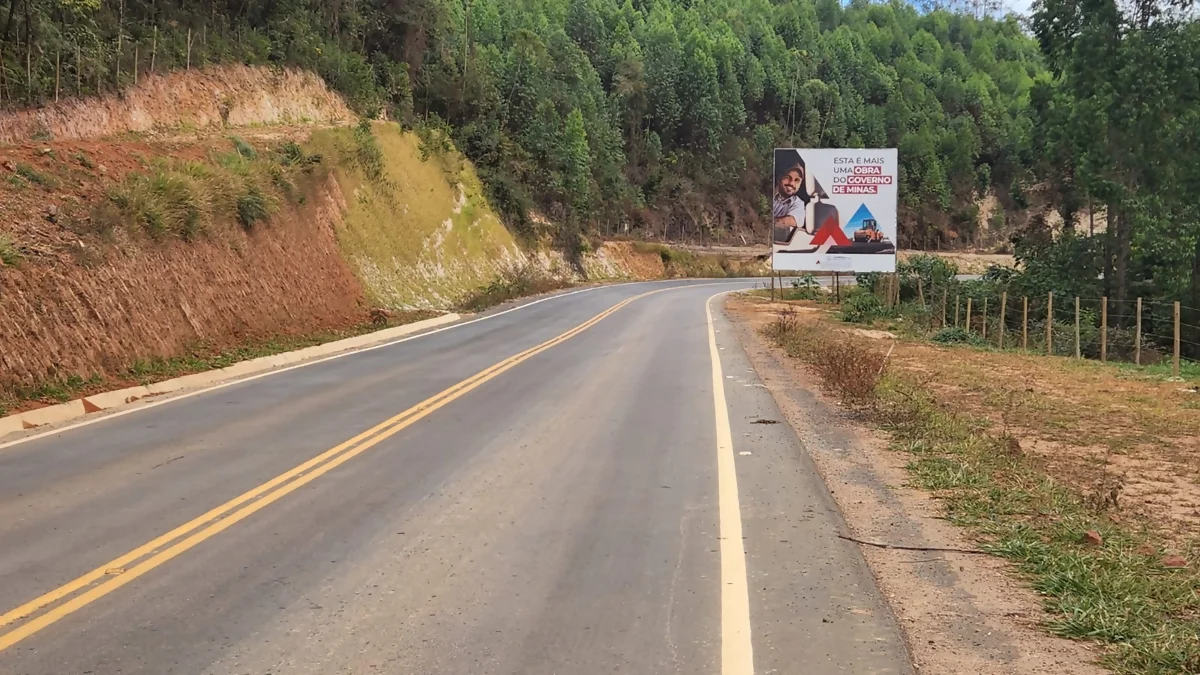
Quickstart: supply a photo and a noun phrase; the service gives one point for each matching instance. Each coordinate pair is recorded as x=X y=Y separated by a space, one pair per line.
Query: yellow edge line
x=303 y=474
x=737 y=648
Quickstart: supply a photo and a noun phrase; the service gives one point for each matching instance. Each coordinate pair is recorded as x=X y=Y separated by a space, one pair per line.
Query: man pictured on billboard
x=809 y=229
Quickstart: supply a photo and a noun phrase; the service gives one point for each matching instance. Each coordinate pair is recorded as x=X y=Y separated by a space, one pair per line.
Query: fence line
x=1084 y=327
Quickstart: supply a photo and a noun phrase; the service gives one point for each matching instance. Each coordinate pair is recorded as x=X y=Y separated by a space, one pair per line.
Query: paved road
x=520 y=503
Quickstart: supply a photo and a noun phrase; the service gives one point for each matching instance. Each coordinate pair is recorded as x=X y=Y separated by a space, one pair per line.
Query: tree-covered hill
x=608 y=115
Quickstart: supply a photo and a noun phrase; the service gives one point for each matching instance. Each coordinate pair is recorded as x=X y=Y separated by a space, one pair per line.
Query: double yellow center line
x=115 y=574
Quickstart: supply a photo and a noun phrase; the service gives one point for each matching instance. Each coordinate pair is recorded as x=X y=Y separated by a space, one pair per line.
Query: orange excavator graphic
x=869 y=233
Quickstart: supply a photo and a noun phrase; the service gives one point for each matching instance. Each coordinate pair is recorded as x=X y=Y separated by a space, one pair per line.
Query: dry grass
x=967 y=263
x=1093 y=427
x=997 y=438
x=847 y=366
x=417 y=237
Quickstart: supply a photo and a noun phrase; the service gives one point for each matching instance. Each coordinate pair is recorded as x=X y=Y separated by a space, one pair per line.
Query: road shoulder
x=813 y=600
x=959 y=612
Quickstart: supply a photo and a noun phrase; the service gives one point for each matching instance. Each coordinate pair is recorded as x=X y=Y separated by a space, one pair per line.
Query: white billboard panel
x=834 y=210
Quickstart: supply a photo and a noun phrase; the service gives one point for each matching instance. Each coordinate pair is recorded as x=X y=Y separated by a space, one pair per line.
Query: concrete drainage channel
x=73 y=410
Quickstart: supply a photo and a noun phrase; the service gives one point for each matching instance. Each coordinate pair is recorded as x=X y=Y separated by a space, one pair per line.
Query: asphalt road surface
x=555 y=489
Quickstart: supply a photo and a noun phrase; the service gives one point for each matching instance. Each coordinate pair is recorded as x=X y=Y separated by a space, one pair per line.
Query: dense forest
x=656 y=117
x=613 y=115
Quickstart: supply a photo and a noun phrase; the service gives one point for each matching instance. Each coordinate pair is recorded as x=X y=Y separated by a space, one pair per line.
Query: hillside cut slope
x=206 y=210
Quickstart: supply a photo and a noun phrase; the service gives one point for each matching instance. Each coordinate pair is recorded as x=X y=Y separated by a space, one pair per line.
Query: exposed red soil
x=286 y=277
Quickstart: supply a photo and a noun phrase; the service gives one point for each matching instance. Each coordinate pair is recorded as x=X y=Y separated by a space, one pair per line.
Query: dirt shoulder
x=961 y=612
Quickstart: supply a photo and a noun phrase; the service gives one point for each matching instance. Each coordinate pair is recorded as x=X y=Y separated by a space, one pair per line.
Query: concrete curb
x=64 y=412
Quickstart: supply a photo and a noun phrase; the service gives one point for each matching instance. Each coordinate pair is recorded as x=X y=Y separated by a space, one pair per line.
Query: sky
x=1019 y=6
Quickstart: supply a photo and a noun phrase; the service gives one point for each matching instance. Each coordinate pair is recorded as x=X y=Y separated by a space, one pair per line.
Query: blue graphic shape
x=862 y=215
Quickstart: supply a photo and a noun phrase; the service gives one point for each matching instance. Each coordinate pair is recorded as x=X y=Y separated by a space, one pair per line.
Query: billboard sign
x=834 y=210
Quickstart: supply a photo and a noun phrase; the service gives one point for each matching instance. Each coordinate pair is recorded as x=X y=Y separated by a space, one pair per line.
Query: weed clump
x=850 y=368
x=10 y=256
x=252 y=207
x=518 y=282
x=36 y=177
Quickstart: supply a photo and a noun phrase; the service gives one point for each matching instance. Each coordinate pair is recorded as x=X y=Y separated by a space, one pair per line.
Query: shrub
x=292 y=155
x=848 y=367
x=956 y=335
x=244 y=149
x=863 y=306
x=934 y=272
x=517 y=282
x=367 y=153
x=252 y=207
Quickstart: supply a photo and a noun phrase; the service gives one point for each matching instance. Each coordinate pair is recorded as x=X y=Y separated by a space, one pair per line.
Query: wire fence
x=1139 y=331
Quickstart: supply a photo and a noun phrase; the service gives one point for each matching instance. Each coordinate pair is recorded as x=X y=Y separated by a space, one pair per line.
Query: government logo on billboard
x=834 y=210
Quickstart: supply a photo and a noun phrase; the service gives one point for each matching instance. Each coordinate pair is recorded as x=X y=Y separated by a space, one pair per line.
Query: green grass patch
x=36 y=177
x=416 y=237
x=179 y=199
x=10 y=255
x=1118 y=592
x=50 y=391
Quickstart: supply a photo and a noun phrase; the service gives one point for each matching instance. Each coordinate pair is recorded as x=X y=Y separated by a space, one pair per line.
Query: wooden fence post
x=945 y=295
x=154 y=49
x=772 y=286
x=57 y=73
x=1003 y=308
x=189 y=49
x=921 y=291
x=1050 y=324
x=1025 y=322
x=956 y=296
x=1078 y=351
x=968 y=316
x=1175 y=363
x=136 y=49
x=78 y=69
x=985 y=319
x=1104 y=329
x=1137 y=336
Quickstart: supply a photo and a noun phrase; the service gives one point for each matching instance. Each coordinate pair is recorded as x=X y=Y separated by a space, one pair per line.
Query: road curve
x=541 y=492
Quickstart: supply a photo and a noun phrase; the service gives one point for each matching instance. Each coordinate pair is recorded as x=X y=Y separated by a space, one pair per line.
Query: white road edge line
x=737 y=648
x=230 y=383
